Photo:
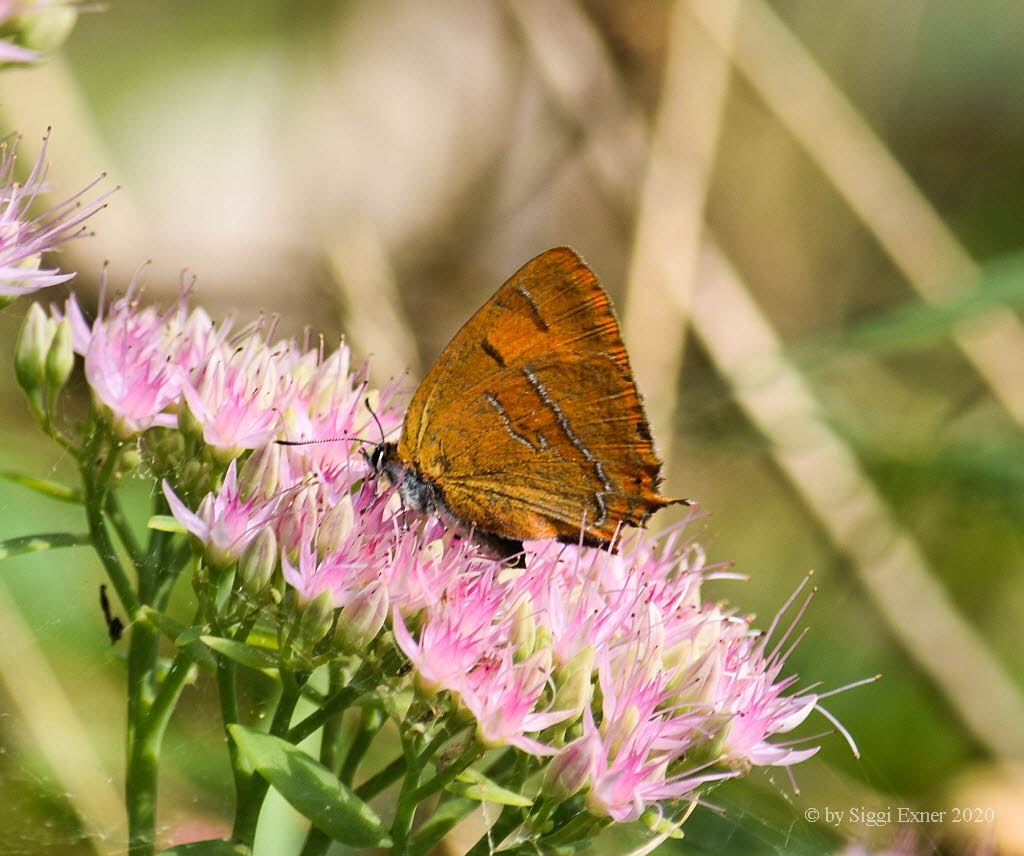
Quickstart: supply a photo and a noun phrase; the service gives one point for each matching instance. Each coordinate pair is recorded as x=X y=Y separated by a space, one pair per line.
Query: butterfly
x=529 y=425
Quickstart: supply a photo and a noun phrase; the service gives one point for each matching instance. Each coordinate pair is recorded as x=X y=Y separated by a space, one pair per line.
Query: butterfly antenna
x=321 y=440
x=380 y=427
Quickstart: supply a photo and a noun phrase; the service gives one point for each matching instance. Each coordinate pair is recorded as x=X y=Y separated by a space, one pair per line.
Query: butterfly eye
x=376 y=458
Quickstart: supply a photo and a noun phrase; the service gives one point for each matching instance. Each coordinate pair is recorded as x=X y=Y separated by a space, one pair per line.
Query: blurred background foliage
x=809 y=217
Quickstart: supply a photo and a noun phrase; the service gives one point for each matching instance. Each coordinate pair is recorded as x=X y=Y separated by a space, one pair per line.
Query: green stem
x=111 y=563
x=436 y=742
x=151 y=565
x=412 y=793
x=123 y=529
x=340 y=701
x=228 y=694
x=38 y=408
x=141 y=764
x=140 y=760
x=507 y=821
x=95 y=498
x=247 y=813
x=42 y=541
x=471 y=753
x=405 y=812
x=162 y=591
x=330 y=744
x=505 y=769
x=370 y=724
x=149 y=710
x=577 y=829
x=147 y=732
x=502 y=766
x=382 y=779
x=317 y=842
x=180 y=673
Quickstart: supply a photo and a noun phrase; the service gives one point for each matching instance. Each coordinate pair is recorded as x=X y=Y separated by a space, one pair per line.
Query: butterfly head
x=375 y=458
x=383 y=460
x=424 y=496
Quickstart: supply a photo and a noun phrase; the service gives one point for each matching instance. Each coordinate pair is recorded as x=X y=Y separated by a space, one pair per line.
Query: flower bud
x=335 y=526
x=620 y=731
x=188 y=423
x=60 y=358
x=43 y=27
x=697 y=668
x=305 y=369
x=218 y=555
x=164 y=449
x=361 y=619
x=261 y=473
x=714 y=750
x=317 y=618
x=258 y=562
x=196 y=476
x=300 y=518
x=574 y=682
x=523 y=629
x=676 y=662
x=570 y=770
x=433 y=550
x=128 y=461
x=33 y=344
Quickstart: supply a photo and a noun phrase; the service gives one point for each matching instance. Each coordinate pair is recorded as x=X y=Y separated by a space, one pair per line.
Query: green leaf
x=213 y=847
x=164 y=623
x=188 y=635
x=182 y=636
x=476 y=786
x=263 y=636
x=439 y=824
x=166 y=523
x=37 y=543
x=578 y=830
x=999 y=284
x=247 y=655
x=54 y=490
x=311 y=788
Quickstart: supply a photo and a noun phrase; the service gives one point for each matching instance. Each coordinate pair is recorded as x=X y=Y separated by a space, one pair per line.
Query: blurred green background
x=808 y=215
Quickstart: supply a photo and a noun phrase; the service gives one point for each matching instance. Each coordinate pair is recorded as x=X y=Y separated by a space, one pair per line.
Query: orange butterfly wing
x=530 y=422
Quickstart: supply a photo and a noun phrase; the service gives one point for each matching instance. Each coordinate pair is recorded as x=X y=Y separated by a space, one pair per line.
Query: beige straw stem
x=871 y=181
x=888 y=562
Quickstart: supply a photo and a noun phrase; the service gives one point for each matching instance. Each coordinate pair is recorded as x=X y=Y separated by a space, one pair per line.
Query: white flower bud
x=33 y=344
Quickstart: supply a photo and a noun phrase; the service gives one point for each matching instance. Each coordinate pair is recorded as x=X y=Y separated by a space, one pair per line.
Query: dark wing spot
x=535 y=313
x=492 y=352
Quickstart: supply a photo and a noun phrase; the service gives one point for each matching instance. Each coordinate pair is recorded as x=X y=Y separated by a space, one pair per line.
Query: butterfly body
x=529 y=425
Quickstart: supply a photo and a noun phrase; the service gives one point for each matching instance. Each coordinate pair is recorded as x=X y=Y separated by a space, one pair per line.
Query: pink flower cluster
x=24 y=237
x=609 y=665
x=665 y=692
x=176 y=368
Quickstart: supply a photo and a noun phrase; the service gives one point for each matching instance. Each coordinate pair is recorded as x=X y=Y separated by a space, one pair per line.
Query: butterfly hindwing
x=551 y=433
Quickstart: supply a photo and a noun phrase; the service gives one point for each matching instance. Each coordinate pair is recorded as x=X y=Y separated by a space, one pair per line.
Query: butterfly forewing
x=552 y=436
